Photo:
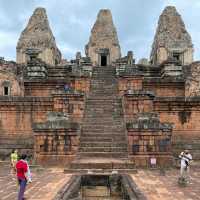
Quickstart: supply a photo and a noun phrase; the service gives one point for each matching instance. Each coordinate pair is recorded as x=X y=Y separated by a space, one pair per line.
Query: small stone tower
x=171 y=39
x=38 y=35
x=103 y=47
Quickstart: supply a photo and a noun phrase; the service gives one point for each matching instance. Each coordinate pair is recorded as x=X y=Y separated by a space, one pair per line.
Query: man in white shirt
x=186 y=158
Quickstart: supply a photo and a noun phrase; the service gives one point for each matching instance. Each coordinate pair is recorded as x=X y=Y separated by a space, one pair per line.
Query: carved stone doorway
x=103 y=60
x=103 y=57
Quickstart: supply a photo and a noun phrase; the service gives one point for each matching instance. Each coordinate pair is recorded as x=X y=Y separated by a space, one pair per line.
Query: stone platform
x=101 y=165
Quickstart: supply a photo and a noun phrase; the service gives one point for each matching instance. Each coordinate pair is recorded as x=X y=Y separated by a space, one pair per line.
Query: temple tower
x=171 y=39
x=103 y=47
x=38 y=35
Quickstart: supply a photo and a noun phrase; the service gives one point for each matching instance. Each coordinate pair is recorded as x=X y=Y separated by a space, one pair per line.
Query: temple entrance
x=103 y=57
x=103 y=60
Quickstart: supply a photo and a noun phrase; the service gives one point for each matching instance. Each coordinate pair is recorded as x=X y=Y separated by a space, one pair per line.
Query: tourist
x=186 y=158
x=66 y=87
x=13 y=159
x=22 y=169
x=29 y=176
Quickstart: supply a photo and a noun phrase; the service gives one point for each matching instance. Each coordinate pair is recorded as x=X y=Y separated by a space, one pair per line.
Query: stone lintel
x=172 y=80
x=148 y=122
x=63 y=94
x=139 y=94
x=56 y=125
x=15 y=99
x=149 y=128
x=182 y=99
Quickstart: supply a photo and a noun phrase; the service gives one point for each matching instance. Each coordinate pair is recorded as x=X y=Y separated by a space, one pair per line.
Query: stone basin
x=100 y=187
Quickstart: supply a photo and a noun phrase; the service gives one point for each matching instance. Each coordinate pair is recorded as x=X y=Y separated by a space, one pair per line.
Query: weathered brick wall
x=82 y=84
x=24 y=143
x=38 y=89
x=18 y=113
x=71 y=104
x=166 y=91
x=45 y=89
x=128 y=83
x=185 y=115
x=159 y=87
x=147 y=144
x=55 y=147
x=134 y=104
x=16 y=117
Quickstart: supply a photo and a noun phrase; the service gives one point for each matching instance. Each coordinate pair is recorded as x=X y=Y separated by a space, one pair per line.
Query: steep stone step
x=103 y=130
x=114 y=98
x=102 y=120
x=104 y=114
x=103 y=144
x=93 y=123
x=101 y=127
x=108 y=109
x=112 y=125
x=99 y=115
x=103 y=154
x=106 y=99
x=101 y=85
x=101 y=139
x=104 y=107
x=104 y=134
x=103 y=149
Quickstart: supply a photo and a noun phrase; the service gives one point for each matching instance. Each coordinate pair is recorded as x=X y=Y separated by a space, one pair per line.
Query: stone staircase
x=103 y=131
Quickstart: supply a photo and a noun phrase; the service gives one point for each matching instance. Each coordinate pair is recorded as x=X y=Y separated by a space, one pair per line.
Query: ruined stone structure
x=38 y=35
x=102 y=105
x=103 y=47
x=171 y=39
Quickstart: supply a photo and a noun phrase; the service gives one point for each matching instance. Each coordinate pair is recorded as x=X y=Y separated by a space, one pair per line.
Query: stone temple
x=101 y=106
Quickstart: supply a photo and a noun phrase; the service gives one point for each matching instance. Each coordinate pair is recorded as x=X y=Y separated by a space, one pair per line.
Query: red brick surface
x=158 y=187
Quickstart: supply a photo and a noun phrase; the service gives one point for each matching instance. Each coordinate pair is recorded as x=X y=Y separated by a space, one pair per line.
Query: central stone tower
x=103 y=47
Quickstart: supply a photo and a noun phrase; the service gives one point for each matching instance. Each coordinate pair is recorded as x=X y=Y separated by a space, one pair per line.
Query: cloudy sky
x=72 y=20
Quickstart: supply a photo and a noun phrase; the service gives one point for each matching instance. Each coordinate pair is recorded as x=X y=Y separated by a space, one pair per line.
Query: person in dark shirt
x=22 y=169
x=66 y=87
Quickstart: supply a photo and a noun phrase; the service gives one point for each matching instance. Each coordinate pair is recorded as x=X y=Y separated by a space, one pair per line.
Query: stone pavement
x=45 y=185
x=158 y=187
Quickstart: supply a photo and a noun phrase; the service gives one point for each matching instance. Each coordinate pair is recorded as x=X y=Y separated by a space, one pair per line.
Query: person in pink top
x=22 y=169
